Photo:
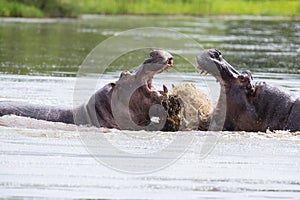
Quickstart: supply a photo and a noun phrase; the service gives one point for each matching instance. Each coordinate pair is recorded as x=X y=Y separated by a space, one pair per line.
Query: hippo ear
x=247 y=72
x=250 y=86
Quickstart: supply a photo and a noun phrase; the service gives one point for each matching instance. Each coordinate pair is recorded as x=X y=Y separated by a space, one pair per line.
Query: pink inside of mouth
x=151 y=88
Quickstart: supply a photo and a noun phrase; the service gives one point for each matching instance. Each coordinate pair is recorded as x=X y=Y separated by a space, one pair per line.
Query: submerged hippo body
x=124 y=104
x=79 y=115
x=50 y=113
x=245 y=105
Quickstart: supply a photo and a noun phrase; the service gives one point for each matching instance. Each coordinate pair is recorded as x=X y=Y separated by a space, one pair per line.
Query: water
x=57 y=47
x=39 y=62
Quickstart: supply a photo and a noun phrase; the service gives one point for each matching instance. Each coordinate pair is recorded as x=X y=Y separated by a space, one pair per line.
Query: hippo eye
x=242 y=78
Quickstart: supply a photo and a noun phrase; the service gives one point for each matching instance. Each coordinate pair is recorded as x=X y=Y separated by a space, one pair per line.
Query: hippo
x=124 y=104
x=246 y=105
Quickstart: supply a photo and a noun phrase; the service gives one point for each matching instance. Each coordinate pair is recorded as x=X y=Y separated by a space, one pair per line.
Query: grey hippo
x=245 y=105
x=132 y=102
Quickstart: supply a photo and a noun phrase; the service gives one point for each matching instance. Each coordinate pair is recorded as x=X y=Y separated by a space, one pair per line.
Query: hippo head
x=236 y=92
x=157 y=62
x=135 y=101
x=244 y=105
x=212 y=61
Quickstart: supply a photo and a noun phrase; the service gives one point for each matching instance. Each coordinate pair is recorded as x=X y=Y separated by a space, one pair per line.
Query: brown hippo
x=108 y=106
x=245 y=105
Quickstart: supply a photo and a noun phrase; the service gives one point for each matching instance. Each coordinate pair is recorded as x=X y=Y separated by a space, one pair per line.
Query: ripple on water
x=40 y=128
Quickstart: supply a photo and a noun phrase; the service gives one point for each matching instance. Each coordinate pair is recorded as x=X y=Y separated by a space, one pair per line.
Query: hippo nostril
x=170 y=62
x=215 y=54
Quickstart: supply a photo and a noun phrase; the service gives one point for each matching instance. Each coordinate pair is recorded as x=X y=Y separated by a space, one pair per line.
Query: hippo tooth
x=165 y=89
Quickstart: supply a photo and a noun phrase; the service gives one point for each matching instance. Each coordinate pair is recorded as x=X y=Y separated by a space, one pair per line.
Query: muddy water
x=39 y=61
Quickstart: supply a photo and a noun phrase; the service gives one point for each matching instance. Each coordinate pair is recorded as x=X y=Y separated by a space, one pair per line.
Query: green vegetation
x=16 y=9
x=38 y=8
x=72 y=8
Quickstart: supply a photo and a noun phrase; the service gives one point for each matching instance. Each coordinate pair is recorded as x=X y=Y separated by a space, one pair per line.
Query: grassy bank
x=16 y=9
x=39 y=8
x=71 y=8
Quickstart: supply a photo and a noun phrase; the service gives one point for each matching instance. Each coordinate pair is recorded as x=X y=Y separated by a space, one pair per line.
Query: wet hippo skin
x=246 y=105
x=108 y=106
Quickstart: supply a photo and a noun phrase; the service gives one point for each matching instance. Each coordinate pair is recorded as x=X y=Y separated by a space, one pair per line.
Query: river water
x=39 y=63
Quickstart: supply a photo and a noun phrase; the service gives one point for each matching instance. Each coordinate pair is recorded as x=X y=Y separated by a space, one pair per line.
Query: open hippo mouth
x=157 y=62
x=212 y=62
x=245 y=105
x=236 y=88
x=134 y=90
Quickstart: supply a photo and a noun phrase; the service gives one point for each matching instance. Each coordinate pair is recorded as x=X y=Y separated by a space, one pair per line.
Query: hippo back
x=293 y=123
x=272 y=107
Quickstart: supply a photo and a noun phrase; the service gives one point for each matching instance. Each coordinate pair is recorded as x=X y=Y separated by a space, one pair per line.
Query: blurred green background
x=72 y=8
